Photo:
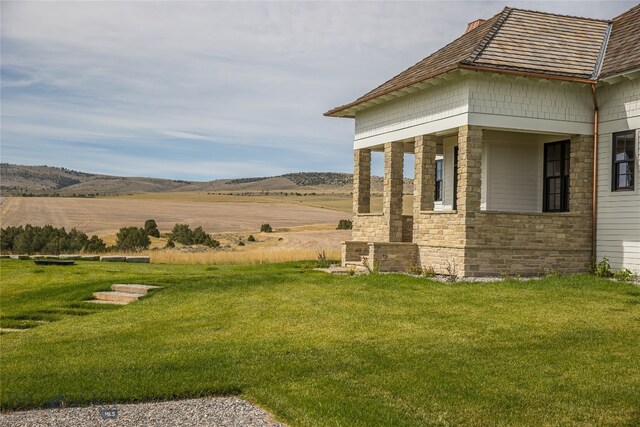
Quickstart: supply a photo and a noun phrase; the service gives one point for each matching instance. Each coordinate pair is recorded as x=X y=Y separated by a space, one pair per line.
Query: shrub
x=200 y=237
x=602 y=269
x=170 y=244
x=95 y=245
x=132 y=239
x=240 y=243
x=345 y=224
x=266 y=228
x=47 y=240
x=181 y=233
x=625 y=275
x=151 y=228
x=251 y=238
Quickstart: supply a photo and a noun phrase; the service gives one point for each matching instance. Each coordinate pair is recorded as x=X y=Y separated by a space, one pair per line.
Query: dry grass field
x=301 y=232
x=106 y=216
x=339 y=201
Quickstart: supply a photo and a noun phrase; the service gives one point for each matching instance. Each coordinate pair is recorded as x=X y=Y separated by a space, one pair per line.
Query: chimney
x=473 y=24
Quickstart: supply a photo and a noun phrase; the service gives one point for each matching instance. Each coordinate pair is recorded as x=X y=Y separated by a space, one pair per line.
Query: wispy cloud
x=181 y=89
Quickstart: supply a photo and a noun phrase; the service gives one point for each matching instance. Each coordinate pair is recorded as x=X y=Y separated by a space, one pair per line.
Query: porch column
x=425 y=171
x=469 y=169
x=362 y=181
x=581 y=174
x=392 y=193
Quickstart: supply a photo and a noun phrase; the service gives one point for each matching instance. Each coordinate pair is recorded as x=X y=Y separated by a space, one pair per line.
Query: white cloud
x=222 y=76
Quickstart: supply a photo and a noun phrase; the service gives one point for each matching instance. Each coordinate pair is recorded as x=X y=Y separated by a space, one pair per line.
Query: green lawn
x=323 y=350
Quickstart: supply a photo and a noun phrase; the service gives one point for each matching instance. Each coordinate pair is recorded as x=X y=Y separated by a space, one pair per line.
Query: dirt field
x=338 y=201
x=106 y=216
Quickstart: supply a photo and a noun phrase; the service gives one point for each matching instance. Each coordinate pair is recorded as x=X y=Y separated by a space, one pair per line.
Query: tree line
x=54 y=241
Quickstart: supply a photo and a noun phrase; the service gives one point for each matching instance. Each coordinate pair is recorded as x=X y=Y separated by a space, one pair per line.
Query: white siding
x=511 y=168
x=448 y=144
x=618 y=235
x=530 y=98
x=430 y=105
x=482 y=99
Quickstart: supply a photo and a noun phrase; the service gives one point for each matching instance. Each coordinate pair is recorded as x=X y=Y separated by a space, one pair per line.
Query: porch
x=485 y=202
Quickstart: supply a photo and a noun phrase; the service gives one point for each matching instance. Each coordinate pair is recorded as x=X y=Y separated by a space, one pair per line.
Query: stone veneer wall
x=479 y=243
x=527 y=244
x=354 y=251
x=407 y=228
x=440 y=236
x=370 y=228
x=393 y=256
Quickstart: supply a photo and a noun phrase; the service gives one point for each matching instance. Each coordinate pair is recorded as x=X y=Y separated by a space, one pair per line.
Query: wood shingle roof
x=623 y=48
x=528 y=42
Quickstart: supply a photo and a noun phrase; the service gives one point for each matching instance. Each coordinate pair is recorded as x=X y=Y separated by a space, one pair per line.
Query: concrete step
x=123 y=297
x=132 y=288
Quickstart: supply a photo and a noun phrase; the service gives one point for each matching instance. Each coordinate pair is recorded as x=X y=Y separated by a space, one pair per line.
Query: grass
x=264 y=255
x=316 y=349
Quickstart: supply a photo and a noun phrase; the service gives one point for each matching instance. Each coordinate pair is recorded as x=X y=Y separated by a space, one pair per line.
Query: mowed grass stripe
x=324 y=350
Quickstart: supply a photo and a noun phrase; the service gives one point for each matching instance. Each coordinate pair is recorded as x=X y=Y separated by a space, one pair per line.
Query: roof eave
x=349 y=110
x=631 y=73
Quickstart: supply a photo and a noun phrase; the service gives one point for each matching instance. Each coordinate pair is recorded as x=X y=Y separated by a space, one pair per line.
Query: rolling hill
x=50 y=181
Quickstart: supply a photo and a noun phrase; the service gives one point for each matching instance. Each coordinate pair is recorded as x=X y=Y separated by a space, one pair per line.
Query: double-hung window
x=556 y=176
x=439 y=182
x=623 y=161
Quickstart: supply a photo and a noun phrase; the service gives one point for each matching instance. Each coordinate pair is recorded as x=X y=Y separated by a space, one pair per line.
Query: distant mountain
x=49 y=181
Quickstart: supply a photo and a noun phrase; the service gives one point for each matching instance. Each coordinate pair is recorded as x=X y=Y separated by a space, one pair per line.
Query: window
x=439 y=182
x=556 y=176
x=624 y=147
x=455 y=178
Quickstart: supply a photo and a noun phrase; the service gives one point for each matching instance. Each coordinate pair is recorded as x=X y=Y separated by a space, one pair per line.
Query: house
x=505 y=125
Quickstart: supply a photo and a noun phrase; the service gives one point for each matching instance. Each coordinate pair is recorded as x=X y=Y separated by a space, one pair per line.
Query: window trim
x=614 y=162
x=565 y=176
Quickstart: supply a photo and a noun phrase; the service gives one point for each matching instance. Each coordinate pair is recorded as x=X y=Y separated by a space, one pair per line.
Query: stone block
x=139 y=259
x=113 y=258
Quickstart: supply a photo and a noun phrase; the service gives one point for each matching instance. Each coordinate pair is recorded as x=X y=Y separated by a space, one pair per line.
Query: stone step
x=132 y=288
x=140 y=259
x=122 y=297
x=99 y=301
x=113 y=258
x=354 y=264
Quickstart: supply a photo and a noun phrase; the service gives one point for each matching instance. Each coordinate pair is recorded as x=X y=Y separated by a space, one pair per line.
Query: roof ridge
x=562 y=15
x=504 y=15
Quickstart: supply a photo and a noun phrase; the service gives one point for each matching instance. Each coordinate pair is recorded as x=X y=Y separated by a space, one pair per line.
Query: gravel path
x=216 y=411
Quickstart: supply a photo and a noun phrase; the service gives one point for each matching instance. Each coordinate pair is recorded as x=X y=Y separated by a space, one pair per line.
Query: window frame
x=630 y=162
x=455 y=177
x=438 y=194
x=565 y=153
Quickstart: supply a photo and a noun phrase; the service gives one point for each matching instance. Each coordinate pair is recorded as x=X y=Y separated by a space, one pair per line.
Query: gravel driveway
x=216 y=411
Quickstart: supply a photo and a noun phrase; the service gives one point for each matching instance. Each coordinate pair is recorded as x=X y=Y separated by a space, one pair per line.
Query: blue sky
x=206 y=90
